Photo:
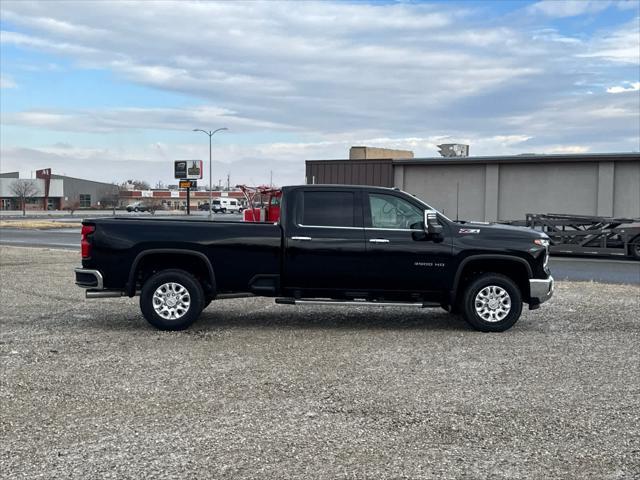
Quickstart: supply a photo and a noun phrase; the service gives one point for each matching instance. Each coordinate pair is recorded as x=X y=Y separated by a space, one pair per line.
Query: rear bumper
x=87 y=278
x=541 y=290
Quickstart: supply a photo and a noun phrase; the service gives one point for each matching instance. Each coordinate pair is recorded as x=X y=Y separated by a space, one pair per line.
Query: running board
x=225 y=296
x=356 y=303
x=104 y=293
x=107 y=293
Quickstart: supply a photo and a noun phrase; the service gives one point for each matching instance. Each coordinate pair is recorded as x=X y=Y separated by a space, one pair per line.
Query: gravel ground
x=255 y=390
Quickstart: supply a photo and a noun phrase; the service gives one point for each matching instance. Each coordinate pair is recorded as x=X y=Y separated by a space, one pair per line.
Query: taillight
x=85 y=245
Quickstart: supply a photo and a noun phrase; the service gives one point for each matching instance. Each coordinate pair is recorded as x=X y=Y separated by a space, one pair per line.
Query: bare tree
x=72 y=206
x=137 y=184
x=110 y=200
x=24 y=189
x=154 y=204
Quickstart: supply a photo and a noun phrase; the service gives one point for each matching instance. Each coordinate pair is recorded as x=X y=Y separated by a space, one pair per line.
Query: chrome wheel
x=492 y=303
x=171 y=301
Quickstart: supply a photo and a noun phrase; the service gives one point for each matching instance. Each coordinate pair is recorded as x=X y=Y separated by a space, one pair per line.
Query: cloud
x=293 y=63
x=131 y=118
x=7 y=82
x=621 y=46
x=568 y=149
x=633 y=87
x=569 y=8
x=325 y=74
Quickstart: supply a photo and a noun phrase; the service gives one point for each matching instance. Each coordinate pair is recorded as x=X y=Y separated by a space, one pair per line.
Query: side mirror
x=431 y=224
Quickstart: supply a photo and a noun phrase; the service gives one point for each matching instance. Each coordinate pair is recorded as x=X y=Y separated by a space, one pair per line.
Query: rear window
x=328 y=209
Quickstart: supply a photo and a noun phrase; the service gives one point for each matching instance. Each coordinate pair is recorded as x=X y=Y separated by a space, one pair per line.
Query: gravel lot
x=255 y=390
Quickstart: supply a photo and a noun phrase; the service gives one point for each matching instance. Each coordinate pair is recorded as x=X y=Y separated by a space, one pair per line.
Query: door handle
x=302 y=239
x=378 y=240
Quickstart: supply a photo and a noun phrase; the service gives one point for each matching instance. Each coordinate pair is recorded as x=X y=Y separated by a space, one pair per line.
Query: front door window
x=389 y=211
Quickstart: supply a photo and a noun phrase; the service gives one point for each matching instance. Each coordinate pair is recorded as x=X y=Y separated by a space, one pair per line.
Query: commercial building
x=56 y=191
x=86 y=193
x=501 y=187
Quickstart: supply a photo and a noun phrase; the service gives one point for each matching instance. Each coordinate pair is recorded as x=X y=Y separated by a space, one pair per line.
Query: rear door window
x=328 y=209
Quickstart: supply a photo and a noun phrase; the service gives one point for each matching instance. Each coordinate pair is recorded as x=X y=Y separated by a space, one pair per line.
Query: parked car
x=333 y=245
x=137 y=207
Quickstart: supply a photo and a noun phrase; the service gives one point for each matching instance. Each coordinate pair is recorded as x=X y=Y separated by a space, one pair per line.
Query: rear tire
x=492 y=303
x=171 y=299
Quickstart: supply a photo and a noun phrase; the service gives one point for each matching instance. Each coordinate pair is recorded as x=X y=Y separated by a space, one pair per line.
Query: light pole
x=211 y=134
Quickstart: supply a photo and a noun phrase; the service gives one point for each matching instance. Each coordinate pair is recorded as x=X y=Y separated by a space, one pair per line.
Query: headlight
x=543 y=243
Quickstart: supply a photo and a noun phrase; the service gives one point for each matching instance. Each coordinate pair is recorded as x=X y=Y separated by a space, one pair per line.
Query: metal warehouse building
x=501 y=187
x=59 y=191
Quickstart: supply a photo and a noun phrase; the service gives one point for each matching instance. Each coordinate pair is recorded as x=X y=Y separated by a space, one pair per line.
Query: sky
x=112 y=90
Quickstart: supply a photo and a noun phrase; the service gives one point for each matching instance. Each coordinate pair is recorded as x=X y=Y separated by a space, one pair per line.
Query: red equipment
x=263 y=203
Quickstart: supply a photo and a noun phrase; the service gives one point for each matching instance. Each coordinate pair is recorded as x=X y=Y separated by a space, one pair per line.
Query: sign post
x=45 y=174
x=188 y=184
x=188 y=171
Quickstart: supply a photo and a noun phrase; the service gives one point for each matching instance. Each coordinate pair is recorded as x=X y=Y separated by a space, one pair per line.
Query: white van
x=230 y=205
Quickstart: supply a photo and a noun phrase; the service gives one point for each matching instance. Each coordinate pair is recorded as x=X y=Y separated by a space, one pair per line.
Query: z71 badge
x=469 y=230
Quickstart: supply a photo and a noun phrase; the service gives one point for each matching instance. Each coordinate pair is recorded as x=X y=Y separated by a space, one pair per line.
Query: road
x=563 y=268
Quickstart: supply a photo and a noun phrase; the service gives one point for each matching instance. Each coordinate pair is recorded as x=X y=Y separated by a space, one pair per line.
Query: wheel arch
x=189 y=260
x=631 y=245
x=516 y=268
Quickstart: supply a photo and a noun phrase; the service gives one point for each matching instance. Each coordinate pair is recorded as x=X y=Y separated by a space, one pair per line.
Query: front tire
x=171 y=299
x=492 y=303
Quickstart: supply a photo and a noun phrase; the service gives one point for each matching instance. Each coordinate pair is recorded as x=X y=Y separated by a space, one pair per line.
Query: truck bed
x=242 y=250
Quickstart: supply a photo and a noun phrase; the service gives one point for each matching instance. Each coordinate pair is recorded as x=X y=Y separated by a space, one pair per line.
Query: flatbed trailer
x=589 y=235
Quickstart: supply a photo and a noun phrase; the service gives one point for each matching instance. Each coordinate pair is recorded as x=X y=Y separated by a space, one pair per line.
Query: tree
x=137 y=184
x=24 y=189
x=72 y=206
x=154 y=204
x=110 y=200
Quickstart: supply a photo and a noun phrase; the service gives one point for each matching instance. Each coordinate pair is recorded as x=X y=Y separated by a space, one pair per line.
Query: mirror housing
x=431 y=224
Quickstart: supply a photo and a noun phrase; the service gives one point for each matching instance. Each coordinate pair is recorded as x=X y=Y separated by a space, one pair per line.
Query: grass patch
x=37 y=224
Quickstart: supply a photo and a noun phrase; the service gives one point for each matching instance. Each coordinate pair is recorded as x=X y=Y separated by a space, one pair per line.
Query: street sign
x=188 y=184
x=187 y=169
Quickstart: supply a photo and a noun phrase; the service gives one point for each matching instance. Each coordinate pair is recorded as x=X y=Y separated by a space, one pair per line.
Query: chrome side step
x=104 y=293
x=225 y=296
x=355 y=303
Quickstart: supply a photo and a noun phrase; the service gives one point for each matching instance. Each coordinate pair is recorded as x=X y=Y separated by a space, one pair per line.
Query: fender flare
x=131 y=284
x=471 y=258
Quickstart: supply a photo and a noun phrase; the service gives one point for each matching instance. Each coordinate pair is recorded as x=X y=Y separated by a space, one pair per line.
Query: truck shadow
x=333 y=319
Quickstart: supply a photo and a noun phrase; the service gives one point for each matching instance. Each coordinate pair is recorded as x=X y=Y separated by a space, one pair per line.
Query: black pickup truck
x=335 y=245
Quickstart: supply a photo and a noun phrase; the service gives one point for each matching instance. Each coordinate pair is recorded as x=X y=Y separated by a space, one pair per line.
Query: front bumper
x=87 y=278
x=541 y=290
